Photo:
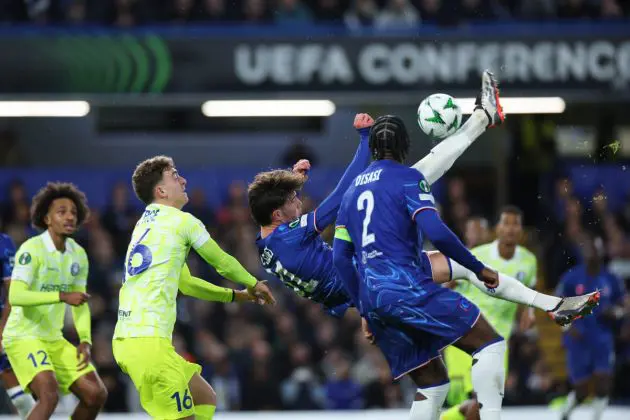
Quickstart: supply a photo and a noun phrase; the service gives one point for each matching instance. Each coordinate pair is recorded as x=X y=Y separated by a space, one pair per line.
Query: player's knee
x=49 y=397
x=96 y=396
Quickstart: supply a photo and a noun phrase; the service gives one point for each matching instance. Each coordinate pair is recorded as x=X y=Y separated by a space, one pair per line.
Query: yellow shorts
x=160 y=375
x=459 y=365
x=29 y=357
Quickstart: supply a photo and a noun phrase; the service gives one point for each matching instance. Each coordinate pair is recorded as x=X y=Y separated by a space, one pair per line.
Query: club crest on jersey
x=266 y=257
x=25 y=258
x=424 y=186
x=74 y=269
x=294 y=223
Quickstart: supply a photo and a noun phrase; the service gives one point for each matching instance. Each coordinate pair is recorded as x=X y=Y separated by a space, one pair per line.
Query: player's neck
x=268 y=230
x=506 y=251
x=58 y=240
x=166 y=203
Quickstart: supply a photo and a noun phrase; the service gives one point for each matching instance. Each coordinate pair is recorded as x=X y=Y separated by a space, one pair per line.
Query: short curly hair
x=53 y=191
x=269 y=191
x=147 y=175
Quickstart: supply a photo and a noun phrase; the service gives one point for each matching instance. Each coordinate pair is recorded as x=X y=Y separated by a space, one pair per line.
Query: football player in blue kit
x=290 y=246
x=589 y=342
x=22 y=401
x=384 y=217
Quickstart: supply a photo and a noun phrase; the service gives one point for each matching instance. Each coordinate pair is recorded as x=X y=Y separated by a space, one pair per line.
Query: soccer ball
x=439 y=115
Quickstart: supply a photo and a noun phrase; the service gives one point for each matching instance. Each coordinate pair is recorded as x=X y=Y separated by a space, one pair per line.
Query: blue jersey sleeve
x=326 y=212
x=562 y=289
x=7 y=255
x=417 y=193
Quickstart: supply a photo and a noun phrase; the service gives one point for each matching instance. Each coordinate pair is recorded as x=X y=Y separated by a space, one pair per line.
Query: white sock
x=445 y=153
x=429 y=408
x=599 y=405
x=488 y=378
x=509 y=288
x=569 y=404
x=22 y=401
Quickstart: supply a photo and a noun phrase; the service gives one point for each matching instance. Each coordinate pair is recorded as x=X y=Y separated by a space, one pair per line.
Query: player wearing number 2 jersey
x=155 y=270
x=52 y=269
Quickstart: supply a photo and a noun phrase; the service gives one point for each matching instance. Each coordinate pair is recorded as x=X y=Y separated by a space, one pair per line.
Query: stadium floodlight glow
x=544 y=105
x=44 y=108
x=268 y=108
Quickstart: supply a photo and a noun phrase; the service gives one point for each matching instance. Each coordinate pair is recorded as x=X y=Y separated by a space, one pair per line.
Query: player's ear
x=276 y=215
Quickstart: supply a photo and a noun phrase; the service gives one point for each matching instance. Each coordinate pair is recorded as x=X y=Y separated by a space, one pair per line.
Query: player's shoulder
x=33 y=244
x=484 y=249
x=76 y=248
x=291 y=228
x=526 y=254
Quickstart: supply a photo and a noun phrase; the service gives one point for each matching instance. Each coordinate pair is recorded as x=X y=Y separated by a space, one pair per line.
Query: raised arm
x=326 y=212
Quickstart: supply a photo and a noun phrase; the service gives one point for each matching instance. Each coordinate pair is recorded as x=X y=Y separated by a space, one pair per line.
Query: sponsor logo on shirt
x=266 y=257
x=54 y=288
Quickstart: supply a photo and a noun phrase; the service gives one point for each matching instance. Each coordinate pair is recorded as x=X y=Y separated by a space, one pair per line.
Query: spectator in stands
x=120 y=218
x=255 y=11
x=326 y=12
x=292 y=12
x=576 y=9
x=477 y=232
x=16 y=197
x=361 y=14
x=475 y=10
x=215 y=11
x=343 y=393
x=398 y=14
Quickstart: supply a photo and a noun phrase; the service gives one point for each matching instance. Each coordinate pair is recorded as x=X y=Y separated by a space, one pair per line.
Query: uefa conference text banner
x=150 y=63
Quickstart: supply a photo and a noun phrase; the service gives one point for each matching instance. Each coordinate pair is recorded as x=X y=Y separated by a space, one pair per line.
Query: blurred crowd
x=356 y=14
x=292 y=355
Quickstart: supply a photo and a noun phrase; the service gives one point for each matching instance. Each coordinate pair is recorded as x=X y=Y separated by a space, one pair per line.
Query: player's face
x=291 y=210
x=62 y=217
x=173 y=188
x=510 y=228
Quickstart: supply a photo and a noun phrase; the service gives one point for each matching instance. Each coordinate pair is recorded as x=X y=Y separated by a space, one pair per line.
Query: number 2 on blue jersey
x=144 y=252
x=366 y=202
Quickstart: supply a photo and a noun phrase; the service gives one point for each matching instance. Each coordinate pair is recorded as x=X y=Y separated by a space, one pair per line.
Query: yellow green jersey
x=522 y=266
x=155 y=257
x=44 y=268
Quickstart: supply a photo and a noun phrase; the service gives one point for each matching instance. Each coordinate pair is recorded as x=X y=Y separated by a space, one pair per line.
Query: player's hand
x=84 y=355
x=302 y=167
x=366 y=331
x=241 y=296
x=73 y=298
x=262 y=291
x=489 y=277
x=363 y=121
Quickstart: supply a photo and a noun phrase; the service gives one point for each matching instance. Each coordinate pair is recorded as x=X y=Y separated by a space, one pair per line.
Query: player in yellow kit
x=51 y=270
x=155 y=270
x=508 y=257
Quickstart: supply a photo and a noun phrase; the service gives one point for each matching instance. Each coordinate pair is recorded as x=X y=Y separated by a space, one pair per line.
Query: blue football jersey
x=378 y=212
x=7 y=257
x=296 y=254
x=577 y=281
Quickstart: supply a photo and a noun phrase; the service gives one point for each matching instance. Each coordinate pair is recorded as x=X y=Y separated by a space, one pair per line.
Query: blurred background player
x=155 y=270
x=51 y=269
x=589 y=342
x=22 y=401
x=505 y=255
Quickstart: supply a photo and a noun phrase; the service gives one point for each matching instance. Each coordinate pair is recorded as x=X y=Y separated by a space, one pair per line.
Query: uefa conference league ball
x=439 y=116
